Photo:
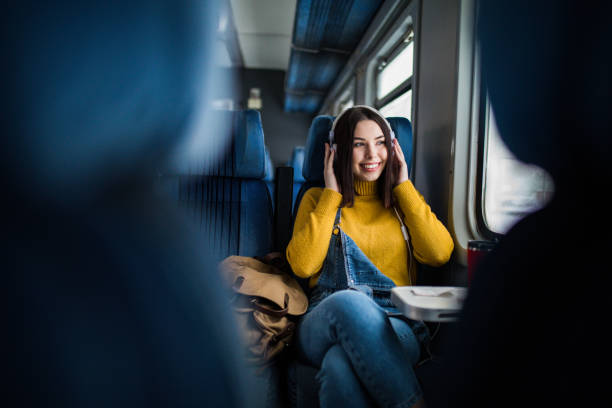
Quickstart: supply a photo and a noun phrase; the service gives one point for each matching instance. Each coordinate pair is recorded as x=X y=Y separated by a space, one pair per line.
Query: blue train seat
x=302 y=382
x=297 y=162
x=229 y=200
x=269 y=175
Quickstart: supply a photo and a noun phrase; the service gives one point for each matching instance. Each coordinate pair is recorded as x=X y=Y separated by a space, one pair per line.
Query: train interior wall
x=435 y=119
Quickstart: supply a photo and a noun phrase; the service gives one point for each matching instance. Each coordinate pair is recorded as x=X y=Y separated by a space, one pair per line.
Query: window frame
x=484 y=107
x=405 y=85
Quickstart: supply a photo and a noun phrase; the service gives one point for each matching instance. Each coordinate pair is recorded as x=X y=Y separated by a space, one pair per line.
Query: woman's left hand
x=401 y=174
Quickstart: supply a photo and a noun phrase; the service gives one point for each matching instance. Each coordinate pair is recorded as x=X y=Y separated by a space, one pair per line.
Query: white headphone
x=331 y=132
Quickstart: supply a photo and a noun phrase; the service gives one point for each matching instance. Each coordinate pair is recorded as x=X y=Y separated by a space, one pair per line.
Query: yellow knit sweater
x=374 y=228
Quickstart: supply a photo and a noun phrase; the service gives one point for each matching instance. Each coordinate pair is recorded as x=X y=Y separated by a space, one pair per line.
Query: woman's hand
x=328 y=169
x=401 y=173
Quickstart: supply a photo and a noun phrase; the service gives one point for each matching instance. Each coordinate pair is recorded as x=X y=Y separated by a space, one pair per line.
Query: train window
x=397 y=70
x=511 y=189
x=400 y=106
x=394 y=79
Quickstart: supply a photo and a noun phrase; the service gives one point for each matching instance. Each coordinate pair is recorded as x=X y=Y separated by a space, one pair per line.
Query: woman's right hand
x=328 y=169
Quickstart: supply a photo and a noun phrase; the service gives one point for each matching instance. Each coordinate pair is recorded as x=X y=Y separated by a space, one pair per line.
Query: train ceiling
x=310 y=39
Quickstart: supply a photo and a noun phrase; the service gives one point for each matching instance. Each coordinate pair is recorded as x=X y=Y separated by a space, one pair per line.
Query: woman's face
x=369 y=151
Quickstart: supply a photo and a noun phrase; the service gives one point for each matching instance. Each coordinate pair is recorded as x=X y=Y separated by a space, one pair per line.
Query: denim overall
x=347 y=267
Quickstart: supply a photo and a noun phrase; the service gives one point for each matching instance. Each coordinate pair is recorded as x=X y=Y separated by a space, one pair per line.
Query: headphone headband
x=377 y=113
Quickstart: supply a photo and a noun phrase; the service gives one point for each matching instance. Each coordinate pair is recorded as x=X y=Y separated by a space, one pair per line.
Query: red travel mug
x=476 y=251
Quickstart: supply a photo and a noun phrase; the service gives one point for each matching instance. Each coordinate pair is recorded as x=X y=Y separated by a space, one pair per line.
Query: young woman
x=348 y=240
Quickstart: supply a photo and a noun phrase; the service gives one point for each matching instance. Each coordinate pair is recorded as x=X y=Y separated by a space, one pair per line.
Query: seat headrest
x=318 y=135
x=297 y=162
x=245 y=156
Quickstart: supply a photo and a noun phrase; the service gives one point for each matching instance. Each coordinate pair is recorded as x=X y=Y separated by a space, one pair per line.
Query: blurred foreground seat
x=110 y=300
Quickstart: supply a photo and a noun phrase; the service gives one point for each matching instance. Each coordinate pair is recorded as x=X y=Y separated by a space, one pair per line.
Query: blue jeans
x=364 y=357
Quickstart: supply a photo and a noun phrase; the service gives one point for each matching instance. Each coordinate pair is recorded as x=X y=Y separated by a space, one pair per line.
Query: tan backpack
x=266 y=304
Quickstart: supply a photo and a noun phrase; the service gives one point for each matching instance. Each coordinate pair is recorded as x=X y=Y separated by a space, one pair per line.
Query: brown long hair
x=344 y=132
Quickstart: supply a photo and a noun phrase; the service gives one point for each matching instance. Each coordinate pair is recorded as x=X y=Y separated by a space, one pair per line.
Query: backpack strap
x=272 y=312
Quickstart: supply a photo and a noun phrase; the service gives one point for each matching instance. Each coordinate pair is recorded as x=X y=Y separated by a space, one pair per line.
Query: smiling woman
x=347 y=236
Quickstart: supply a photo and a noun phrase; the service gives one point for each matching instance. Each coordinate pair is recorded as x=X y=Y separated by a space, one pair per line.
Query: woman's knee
x=350 y=304
x=355 y=311
x=342 y=317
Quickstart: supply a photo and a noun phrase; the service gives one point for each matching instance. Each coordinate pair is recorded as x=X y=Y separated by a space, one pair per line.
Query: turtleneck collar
x=366 y=188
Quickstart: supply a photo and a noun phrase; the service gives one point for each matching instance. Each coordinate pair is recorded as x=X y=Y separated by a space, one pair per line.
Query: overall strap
x=337 y=220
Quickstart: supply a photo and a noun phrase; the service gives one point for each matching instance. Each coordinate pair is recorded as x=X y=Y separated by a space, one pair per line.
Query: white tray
x=429 y=303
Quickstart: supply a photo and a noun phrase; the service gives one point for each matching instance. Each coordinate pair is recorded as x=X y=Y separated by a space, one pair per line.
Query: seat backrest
x=297 y=162
x=312 y=170
x=230 y=201
x=269 y=175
